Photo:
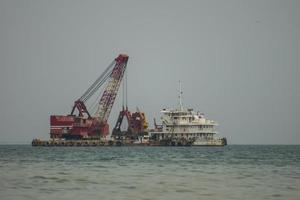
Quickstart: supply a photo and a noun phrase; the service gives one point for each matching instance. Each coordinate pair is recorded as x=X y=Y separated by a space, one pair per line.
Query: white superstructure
x=183 y=126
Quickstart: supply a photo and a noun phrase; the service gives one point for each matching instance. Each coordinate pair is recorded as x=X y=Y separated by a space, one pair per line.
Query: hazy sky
x=238 y=62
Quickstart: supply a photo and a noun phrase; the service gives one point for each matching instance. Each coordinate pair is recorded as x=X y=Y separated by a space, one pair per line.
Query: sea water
x=230 y=172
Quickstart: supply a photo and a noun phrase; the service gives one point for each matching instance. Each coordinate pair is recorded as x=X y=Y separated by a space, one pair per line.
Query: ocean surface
x=231 y=172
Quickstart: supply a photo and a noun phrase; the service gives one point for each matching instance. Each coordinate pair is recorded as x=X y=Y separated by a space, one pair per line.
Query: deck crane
x=84 y=125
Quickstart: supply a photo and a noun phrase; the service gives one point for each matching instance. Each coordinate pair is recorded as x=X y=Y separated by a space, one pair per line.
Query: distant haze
x=238 y=61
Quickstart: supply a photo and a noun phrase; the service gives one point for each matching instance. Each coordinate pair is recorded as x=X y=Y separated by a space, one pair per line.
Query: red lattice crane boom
x=84 y=125
x=108 y=98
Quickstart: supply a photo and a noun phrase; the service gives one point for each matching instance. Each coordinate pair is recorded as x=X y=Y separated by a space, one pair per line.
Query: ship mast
x=180 y=96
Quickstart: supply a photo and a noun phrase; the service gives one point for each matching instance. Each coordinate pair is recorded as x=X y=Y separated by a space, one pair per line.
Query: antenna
x=180 y=96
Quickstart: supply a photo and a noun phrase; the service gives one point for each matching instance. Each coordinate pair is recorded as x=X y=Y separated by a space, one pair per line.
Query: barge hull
x=91 y=143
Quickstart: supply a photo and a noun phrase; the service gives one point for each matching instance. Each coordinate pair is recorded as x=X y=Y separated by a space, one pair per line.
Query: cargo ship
x=184 y=127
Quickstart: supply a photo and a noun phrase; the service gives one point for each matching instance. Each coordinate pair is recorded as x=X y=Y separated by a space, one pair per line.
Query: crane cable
x=99 y=81
x=96 y=87
x=93 y=105
x=124 y=93
x=126 y=88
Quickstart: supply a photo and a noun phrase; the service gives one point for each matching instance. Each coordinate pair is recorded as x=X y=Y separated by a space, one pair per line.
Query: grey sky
x=238 y=62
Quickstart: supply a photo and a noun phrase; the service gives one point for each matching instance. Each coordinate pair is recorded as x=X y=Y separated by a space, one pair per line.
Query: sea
x=147 y=173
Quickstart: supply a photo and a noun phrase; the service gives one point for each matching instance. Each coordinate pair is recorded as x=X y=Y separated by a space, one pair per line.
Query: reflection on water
x=231 y=172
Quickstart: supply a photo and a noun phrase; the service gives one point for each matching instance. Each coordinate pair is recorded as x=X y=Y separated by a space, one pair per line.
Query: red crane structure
x=137 y=124
x=84 y=125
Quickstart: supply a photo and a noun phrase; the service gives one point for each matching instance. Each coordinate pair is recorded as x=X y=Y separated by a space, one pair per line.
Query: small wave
x=62 y=180
x=50 y=178
x=276 y=195
x=39 y=177
x=84 y=180
x=48 y=190
x=63 y=173
x=131 y=187
x=291 y=188
x=207 y=194
x=183 y=190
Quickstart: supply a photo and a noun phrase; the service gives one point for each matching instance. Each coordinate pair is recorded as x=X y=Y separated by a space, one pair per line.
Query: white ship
x=182 y=126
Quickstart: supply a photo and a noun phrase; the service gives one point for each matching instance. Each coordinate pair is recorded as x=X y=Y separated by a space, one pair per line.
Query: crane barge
x=83 y=125
x=81 y=128
x=180 y=126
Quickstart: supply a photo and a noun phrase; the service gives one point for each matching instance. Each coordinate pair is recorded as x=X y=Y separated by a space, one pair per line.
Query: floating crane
x=83 y=125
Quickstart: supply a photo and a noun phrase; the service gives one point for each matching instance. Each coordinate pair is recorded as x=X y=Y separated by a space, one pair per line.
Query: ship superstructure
x=183 y=126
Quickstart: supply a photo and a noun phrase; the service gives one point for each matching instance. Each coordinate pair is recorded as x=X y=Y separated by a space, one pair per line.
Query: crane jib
x=84 y=125
x=110 y=93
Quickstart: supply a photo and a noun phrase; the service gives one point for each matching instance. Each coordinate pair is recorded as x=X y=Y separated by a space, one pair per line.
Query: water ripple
x=232 y=172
